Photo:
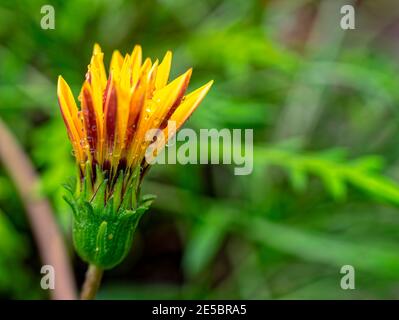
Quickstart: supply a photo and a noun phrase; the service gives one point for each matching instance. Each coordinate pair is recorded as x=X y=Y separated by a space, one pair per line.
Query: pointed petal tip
x=205 y=88
x=187 y=75
x=116 y=53
x=96 y=48
x=61 y=85
x=60 y=79
x=200 y=92
x=137 y=49
x=209 y=84
x=168 y=55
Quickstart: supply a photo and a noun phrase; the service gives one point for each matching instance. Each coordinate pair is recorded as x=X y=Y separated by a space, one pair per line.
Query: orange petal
x=90 y=120
x=184 y=111
x=155 y=111
x=179 y=91
x=135 y=108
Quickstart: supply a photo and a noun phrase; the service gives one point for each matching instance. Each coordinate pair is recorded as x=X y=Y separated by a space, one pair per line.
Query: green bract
x=105 y=216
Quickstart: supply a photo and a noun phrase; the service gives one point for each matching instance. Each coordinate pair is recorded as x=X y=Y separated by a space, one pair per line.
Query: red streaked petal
x=136 y=105
x=182 y=90
x=90 y=120
x=111 y=102
x=187 y=107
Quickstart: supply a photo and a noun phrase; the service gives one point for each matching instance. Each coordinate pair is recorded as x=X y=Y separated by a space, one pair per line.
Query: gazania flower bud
x=108 y=141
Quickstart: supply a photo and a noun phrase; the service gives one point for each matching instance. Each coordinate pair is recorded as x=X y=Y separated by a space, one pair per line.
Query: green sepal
x=98 y=200
x=118 y=190
x=146 y=200
x=127 y=199
x=103 y=229
x=103 y=237
x=99 y=177
x=87 y=188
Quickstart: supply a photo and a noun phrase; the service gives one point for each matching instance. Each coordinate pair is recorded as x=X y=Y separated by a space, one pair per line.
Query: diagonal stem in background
x=41 y=218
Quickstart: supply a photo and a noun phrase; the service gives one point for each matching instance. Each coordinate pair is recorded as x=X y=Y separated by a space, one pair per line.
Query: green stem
x=92 y=282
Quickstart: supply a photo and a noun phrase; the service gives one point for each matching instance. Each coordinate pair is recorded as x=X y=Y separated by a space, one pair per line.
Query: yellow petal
x=69 y=112
x=97 y=96
x=177 y=89
x=151 y=78
x=187 y=107
x=96 y=48
x=163 y=71
x=155 y=110
x=182 y=113
x=116 y=62
x=136 y=63
x=97 y=65
x=126 y=73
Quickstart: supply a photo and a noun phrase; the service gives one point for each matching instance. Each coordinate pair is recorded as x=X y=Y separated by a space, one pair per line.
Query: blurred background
x=324 y=107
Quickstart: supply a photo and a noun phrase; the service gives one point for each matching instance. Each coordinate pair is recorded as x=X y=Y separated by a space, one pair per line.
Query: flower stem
x=92 y=282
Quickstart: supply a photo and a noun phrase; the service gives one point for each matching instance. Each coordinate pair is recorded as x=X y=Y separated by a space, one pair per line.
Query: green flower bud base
x=103 y=228
x=101 y=239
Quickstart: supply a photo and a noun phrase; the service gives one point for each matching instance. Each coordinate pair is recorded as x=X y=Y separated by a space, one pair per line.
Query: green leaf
x=382 y=260
x=205 y=241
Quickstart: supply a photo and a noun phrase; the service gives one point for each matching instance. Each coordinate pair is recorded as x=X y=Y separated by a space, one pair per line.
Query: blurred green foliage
x=323 y=104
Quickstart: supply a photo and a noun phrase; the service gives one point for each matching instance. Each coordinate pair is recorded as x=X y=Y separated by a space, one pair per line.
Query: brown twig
x=92 y=283
x=45 y=230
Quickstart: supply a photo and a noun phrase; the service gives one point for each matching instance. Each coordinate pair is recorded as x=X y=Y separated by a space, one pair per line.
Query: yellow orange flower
x=109 y=135
x=116 y=111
